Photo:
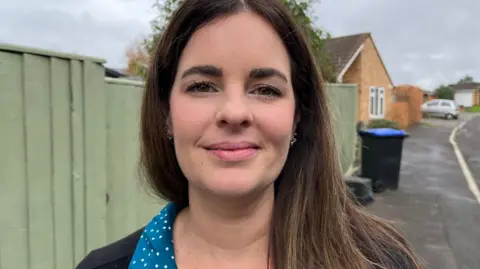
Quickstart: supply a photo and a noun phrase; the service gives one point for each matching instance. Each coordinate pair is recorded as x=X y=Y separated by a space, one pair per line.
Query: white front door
x=377 y=103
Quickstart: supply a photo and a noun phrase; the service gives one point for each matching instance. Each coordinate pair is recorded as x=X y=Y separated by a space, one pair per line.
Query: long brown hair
x=314 y=224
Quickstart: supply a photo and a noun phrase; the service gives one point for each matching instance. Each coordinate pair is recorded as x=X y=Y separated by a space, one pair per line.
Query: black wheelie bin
x=381 y=156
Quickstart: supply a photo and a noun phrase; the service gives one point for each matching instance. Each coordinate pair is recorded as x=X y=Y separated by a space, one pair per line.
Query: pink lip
x=233 y=152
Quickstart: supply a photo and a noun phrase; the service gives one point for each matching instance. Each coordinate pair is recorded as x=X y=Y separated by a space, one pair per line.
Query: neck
x=228 y=229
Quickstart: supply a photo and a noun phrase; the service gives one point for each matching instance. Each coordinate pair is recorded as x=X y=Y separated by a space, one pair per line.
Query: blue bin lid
x=384 y=132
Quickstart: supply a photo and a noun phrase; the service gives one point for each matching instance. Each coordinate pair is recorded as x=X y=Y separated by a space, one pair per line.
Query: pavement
x=433 y=206
x=468 y=139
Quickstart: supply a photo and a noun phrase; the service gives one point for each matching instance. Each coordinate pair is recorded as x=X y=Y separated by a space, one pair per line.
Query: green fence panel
x=62 y=162
x=78 y=162
x=36 y=87
x=14 y=250
x=95 y=154
x=50 y=217
x=343 y=105
x=129 y=205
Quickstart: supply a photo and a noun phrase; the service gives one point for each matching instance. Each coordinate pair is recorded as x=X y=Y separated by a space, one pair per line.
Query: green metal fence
x=69 y=152
x=52 y=196
x=343 y=104
x=129 y=206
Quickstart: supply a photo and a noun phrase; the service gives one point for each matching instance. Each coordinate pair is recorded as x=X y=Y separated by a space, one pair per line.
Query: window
x=445 y=104
x=377 y=102
x=432 y=104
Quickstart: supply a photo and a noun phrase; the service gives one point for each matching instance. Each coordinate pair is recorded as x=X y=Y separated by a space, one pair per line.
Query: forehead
x=243 y=40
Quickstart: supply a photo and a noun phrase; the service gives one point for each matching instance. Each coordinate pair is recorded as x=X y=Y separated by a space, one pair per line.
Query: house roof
x=342 y=49
x=465 y=86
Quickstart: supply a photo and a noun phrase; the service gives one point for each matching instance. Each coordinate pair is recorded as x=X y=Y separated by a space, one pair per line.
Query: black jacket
x=116 y=255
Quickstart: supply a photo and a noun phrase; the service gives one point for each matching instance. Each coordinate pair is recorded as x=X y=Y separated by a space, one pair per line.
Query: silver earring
x=293 y=140
x=167 y=134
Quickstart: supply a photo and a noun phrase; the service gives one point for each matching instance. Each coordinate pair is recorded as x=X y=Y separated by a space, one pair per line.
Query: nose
x=234 y=112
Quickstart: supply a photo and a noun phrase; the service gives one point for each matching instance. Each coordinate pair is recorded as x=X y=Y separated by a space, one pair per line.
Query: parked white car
x=441 y=108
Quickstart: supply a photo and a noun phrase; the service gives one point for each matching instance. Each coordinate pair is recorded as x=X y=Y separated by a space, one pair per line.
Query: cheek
x=276 y=124
x=187 y=118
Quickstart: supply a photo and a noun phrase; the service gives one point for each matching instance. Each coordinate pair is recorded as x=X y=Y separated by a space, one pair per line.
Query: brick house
x=357 y=60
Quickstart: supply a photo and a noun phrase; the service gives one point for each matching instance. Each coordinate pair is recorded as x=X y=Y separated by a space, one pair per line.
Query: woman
x=236 y=134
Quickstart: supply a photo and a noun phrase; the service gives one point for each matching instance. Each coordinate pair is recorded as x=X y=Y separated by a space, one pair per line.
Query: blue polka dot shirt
x=155 y=246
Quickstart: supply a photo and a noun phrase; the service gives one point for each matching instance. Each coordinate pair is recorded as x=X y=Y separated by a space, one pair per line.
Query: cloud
x=101 y=29
x=422 y=42
x=438 y=56
x=437 y=40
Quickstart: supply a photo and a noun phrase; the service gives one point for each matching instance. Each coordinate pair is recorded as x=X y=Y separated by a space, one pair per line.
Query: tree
x=466 y=79
x=299 y=9
x=137 y=59
x=317 y=37
x=444 y=92
x=165 y=10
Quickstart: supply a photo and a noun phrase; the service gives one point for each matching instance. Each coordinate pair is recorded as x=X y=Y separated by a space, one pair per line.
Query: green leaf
x=444 y=92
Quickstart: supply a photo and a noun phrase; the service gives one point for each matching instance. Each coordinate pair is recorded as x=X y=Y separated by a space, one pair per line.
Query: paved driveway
x=433 y=205
x=468 y=139
x=441 y=122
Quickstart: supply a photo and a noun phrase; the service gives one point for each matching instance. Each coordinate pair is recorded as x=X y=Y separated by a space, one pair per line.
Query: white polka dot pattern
x=155 y=246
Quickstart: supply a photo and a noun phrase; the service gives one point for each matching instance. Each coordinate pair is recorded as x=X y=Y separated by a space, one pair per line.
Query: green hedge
x=382 y=123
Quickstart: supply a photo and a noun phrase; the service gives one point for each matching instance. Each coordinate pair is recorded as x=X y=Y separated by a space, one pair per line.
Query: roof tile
x=341 y=49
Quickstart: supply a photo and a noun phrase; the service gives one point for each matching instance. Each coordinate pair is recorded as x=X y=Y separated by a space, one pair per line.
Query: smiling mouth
x=233 y=152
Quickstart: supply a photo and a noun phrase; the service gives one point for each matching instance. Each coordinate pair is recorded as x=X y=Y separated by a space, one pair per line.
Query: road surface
x=433 y=205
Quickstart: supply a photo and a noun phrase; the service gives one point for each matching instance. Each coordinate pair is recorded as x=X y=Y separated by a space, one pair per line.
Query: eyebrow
x=207 y=70
x=260 y=73
x=212 y=71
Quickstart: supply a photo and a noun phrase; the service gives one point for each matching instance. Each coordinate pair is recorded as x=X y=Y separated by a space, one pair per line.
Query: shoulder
x=115 y=255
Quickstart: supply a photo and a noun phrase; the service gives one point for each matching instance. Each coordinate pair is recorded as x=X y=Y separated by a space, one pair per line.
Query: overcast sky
x=422 y=42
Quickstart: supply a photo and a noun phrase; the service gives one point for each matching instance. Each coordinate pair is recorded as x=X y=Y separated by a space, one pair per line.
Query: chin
x=230 y=184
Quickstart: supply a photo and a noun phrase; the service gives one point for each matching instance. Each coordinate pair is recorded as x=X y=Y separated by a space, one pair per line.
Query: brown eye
x=201 y=87
x=267 y=91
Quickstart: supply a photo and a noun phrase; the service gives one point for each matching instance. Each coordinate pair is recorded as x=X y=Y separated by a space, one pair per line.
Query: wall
x=68 y=156
x=373 y=74
x=406 y=109
x=399 y=113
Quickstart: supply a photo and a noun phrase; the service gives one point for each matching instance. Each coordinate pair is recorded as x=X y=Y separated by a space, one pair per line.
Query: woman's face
x=233 y=106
